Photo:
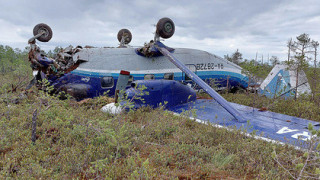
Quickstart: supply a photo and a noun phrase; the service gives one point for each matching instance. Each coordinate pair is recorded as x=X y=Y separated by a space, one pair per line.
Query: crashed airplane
x=164 y=72
x=88 y=72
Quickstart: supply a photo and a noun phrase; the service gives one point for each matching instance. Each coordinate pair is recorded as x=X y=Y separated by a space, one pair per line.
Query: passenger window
x=107 y=82
x=149 y=76
x=168 y=76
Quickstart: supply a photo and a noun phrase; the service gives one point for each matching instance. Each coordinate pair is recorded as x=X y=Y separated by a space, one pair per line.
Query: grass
x=76 y=140
x=302 y=107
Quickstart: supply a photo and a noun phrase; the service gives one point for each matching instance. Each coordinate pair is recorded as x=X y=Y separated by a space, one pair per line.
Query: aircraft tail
x=284 y=81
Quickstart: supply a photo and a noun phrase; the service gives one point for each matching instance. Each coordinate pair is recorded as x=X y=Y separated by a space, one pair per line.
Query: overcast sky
x=217 y=26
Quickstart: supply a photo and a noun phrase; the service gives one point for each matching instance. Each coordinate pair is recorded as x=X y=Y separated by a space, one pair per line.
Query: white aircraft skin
x=108 y=62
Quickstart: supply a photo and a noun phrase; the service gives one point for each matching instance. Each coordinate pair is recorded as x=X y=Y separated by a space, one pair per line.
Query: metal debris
x=62 y=64
x=64 y=58
x=40 y=61
x=147 y=49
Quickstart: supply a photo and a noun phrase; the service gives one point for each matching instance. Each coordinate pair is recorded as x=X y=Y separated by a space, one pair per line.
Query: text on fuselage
x=208 y=66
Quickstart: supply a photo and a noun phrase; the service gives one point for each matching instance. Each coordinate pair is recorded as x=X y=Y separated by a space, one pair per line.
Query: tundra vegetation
x=44 y=137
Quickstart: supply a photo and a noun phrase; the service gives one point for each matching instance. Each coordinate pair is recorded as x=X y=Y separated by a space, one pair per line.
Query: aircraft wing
x=266 y=125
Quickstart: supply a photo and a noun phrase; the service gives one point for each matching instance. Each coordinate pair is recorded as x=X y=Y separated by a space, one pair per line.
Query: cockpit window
x=168 y=76
x=107 y=82
x=149 y=76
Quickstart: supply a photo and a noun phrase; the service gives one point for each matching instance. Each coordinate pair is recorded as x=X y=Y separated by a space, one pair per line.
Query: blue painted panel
x=195 y=78
x=93 y=79
x=220 y=77
x=279 y=85
x=163 y=92
x=267 y=124
x=93 y=82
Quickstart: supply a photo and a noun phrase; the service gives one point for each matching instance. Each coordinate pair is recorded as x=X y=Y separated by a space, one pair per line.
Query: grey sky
x=216 y=26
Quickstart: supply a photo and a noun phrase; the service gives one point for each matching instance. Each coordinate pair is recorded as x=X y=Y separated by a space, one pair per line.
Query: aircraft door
x=193 y=68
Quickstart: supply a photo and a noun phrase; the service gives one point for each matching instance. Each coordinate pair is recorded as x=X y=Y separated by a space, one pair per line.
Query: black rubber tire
x=165 y=28
x=125 y=32
x=43 y=27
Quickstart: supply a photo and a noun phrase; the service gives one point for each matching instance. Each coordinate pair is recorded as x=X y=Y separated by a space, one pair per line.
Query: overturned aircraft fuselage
x=100 y=67
x=89 y=72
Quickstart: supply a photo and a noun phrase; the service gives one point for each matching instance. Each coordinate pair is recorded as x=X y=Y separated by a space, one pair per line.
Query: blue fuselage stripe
x=93 y=79
x=177 y=75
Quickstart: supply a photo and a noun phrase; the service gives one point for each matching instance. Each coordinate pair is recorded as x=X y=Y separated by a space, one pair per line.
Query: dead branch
x=34 y=126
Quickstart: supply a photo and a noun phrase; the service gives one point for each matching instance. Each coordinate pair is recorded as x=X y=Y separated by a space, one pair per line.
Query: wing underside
x=270 y=125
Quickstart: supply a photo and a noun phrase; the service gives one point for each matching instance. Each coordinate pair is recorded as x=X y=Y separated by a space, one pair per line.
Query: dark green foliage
x=255 y=70
x=12 y=59
x=302 y=107
x=236 y=57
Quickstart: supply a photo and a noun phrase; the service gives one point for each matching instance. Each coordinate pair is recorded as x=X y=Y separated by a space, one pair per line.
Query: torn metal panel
x=149 y=50
x=282 y=81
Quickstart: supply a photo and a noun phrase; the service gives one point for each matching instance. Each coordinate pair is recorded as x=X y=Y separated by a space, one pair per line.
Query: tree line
x=12 y=59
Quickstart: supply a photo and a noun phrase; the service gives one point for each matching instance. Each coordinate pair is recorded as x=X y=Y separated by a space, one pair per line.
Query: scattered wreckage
x=43 y=66
x=164 y=73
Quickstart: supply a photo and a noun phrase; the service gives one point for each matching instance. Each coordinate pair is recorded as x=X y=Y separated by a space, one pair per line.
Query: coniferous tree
x=300 y=48
x=236 y=57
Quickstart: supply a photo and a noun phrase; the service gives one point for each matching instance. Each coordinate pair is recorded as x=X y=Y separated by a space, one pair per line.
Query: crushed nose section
x=65 y=58
x=61 y=64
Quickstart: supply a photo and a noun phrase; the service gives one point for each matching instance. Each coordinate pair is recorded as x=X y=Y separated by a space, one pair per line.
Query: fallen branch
x=34 y=126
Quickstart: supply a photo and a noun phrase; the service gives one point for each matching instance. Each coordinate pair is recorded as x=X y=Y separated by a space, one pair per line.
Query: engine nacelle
x=78 y=91
x=166 y=92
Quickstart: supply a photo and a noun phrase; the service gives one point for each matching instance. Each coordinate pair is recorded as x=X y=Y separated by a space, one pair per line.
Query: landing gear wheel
x=127 y=34
x=43 y=28
x=165 y=28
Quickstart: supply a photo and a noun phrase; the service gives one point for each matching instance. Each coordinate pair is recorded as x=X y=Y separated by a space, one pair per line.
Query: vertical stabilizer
x=281 y=81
